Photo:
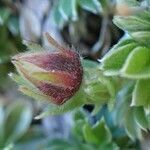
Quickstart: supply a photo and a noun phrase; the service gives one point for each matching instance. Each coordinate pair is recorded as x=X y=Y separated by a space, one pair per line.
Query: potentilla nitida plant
x=60 y=78
x=55 y=75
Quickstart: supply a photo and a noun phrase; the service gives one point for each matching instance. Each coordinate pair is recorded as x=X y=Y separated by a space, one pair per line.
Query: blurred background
x=85 y=25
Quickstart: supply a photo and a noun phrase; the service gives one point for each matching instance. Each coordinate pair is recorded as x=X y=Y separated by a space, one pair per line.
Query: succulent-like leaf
x=141 y=94
x=114 y=60
x=102 y=132
x=18 y=119
x=138 y=26
x=142 y=36
x=137 y=65
x=89 y=136
x=140 y=118
x=132 y=23
x=97 y=134
x=130 y=125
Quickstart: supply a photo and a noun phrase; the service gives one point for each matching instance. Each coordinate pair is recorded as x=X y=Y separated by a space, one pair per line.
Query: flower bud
x=56 y=75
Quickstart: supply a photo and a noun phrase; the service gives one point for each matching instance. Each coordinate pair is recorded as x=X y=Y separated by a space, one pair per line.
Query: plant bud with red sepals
x=56 y=74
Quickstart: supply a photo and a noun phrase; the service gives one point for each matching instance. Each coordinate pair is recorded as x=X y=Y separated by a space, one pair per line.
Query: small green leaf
x=114 y=60
x=97 y=92
x=121 y=109
x=141 y=93
x=131 y=23
x=110 y=85
x=102 y=132
x=142 y=37
x=130 y=125
x=140 y=118
x=99 y=89
x=123 y=102
x=89 y=136
x=98 y=134
x=144 y=14
x=18 y=119
x=137 y=64
x=137 y=25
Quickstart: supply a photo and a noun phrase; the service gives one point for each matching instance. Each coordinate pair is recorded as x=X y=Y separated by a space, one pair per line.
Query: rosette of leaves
x=130 y=60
